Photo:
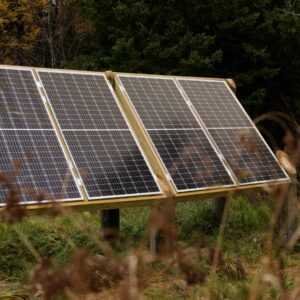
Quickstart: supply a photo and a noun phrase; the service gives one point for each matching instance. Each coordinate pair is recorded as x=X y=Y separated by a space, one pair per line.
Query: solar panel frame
x=178 y=78
x=159 y=192
x=81 y=198
x=167 y=174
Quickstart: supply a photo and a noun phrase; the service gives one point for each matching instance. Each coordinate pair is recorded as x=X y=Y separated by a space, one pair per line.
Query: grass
x=48 y=235
x=57 y=238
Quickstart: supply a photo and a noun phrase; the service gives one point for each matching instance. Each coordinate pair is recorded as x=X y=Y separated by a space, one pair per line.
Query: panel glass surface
x=215 y=103
x=30 y=154
x=231 y=129
x=82 y=101
x=159 y=103
x=99 y=139
x=247 y=155
x=190 y=159
x=110 y=163
x=37 y=165
x=21 y=106
x=184 y=149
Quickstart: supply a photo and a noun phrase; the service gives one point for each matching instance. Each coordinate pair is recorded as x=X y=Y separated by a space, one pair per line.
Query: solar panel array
x=233 y=132
x=197 y=127
x=98 y=137
x=31 y=158
x=180 y=142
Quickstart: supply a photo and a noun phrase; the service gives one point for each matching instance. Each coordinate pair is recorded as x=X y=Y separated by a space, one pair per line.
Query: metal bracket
x=39 y=84
x=79 y=181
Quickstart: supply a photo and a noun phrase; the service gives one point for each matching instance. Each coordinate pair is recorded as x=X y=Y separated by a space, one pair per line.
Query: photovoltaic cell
x=98 y=137
x=37 y=165
x=159 y=103
x=82 y=101
x=21 y=106
x=233 y=132
x=183 y=147
x=30 y=153
x=214 y=103
x=190 y=159
x=247 y=155
x=113 y=159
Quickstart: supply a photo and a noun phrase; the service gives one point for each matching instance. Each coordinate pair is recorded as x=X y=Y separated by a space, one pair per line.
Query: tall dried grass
x=86 y=275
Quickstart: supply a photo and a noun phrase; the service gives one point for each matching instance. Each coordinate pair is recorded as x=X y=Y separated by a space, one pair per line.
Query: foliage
x=40 y=33
x=254 y=42
x=19 y=34
x=50 y=236
x=53 y=238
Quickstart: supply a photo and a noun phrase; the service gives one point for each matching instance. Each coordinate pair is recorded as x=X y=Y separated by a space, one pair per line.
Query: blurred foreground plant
x=88 y=275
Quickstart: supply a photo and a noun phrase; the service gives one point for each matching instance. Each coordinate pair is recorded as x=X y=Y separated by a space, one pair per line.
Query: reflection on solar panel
x=189 y=158
x=233 y=132
x=98 y=137
x=247 y=154
x=183 y=147
x=29 y=149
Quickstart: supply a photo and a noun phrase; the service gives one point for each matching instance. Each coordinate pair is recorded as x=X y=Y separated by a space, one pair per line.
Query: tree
x=146 y=36
x=63 y=30
x=19 y=34
x=41 y=33
x=286 y=55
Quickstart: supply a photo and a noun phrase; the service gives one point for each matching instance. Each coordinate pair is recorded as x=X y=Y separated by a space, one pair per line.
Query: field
x=241 y=261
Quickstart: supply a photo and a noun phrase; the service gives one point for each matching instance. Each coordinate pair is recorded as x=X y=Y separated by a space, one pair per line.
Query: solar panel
x=30 y=152
x=21 y=106
x=190 y=159
x=158 y=102
x=232 y=130
x=247 y=154
x=183 y=147
x=103 y=148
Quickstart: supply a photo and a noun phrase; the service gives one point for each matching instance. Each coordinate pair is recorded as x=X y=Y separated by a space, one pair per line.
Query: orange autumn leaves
x=41 y=33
